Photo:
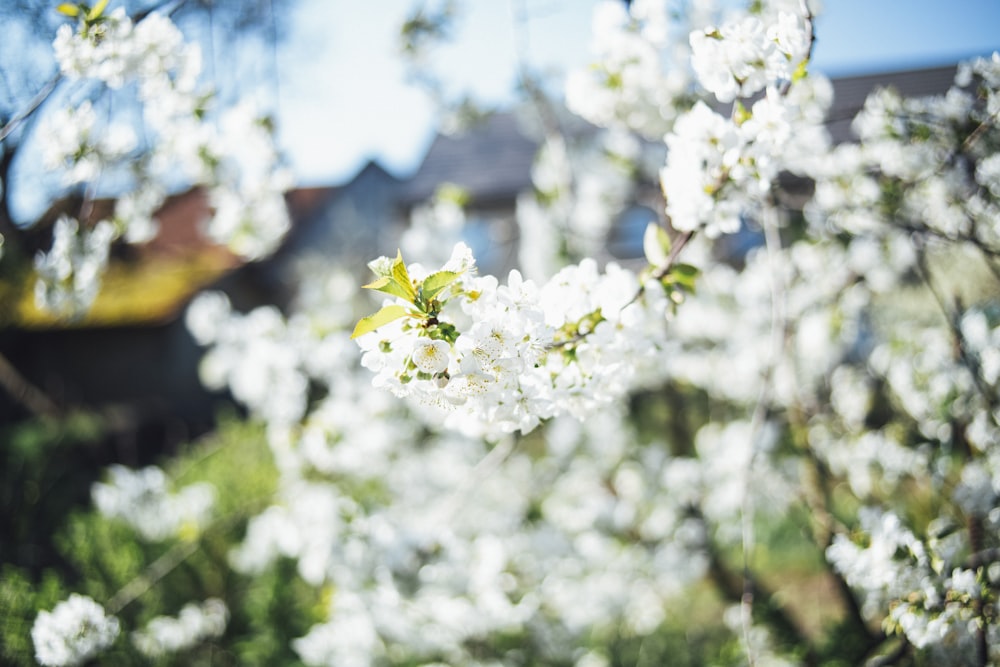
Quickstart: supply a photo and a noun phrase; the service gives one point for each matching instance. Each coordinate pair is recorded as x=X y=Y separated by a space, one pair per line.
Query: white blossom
x=69 y=273
x=142 y=499
x=73 y=632
x=195 y=623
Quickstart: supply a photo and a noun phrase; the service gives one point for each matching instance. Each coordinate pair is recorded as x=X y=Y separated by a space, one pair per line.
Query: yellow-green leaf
x=68 y=9
x=740 y=113
x=390 y=286
x=801 y=72
x=97 y=10
x=684 y=275
x=686 y=270
x=434 y=283
x=387 y=314
x=402 y=277
x=452 y=193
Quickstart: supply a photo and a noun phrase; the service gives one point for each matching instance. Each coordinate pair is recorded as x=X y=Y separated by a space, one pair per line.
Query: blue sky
x=344 y=99
x=856 y=36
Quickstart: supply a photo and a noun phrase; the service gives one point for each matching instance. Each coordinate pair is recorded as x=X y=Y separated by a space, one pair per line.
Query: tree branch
x=901 y=651
x=158 y=569
x=952 y=319
x=983 y=558
x=736 y=588
x=35 y=102
x=25 y=393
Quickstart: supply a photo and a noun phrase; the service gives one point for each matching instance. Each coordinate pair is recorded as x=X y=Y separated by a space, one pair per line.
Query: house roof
x=305 y=202
x=490 y=160
x=152 y=282
x=850 y=92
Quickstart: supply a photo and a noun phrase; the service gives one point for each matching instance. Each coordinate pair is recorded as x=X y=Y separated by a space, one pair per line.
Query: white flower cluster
x=628 y=84
x=720 y=169
x=933 y=602
x=69 y=274
x=195 y=623
x=582 y=186
x=75 y=631
x=428 y=549
x=142 y=499
x=938 y=152
x=75 y=145
x=266 y=361
x=441 y=556
x=115 y=51
x=232 y=156
x=247 y=186
x=501 y=358
x=747 y=55
x=893 y=563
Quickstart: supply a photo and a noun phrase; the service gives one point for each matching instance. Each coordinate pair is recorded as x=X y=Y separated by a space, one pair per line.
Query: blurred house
x=492 y=162
x=130 y=358
x=133 y=356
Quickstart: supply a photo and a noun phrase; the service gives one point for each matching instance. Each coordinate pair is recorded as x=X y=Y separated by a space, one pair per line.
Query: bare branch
x=24 y=392
x=32 y=106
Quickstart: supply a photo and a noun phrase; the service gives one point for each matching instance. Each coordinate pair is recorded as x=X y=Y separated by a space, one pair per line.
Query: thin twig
x=777 y=334
x=952 y=320
x=158 y=569
x=51 y=84
x=900 y=652
x=983 y=558
x=732 y=588
x=35 y=102
x=174 y=556
x=978 y=132
x=486 y=465
x=24 y=392
x=661 y=271
x=275 y=69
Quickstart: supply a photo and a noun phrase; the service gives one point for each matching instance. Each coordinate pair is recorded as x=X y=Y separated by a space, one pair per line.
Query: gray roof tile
x=491 y=160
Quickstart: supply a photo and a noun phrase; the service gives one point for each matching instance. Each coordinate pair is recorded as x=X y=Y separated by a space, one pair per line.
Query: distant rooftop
x=849 y=93
x=491 y=160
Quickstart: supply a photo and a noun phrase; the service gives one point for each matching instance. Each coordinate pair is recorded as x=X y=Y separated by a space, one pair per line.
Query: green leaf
x=97 y=10
x=68 y=9
x=450 y=192
x=387 y=314
x=390 y=286
x=434 y=283
x=402 y=277
x=685 y=275
x=801 y=72
x=686 y=270
x=740 y=113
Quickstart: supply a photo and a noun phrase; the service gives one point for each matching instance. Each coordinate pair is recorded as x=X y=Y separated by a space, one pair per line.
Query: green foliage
x=20 y=600
x=393 y=278
x=107 y=561
x=276 y=607
x=46 y=467
x=426 y=27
